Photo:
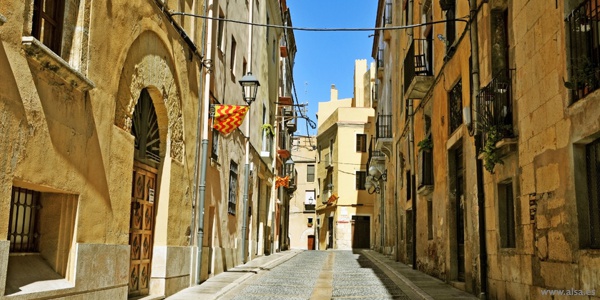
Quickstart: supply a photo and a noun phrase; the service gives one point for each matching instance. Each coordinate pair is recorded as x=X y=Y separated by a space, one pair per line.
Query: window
x=583 y=49
x=214 y=153
x=506 y=218
x=388 y=12
x=220 y=31
x=455 y=106
x=233 y=188
x=361 y=143
x=361 y=177
x=309 y=221
x=408 y=186
x=429 y=220
x=592 y=158
x=310 y=197
x=48 y=21
x=232 y=58
x=40 y=224
x=310 y=173
x=23 y=232
x=450 y=26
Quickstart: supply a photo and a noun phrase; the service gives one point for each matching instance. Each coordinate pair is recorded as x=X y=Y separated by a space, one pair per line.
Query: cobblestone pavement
x=319 y=275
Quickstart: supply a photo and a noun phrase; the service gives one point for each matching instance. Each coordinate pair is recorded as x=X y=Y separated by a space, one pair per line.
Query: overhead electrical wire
x=341 y=29
x=465 y=19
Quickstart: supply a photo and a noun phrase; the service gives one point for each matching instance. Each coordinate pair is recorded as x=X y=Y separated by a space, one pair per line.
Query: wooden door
x=141 y=228
x=311 y=242
x=361 y=236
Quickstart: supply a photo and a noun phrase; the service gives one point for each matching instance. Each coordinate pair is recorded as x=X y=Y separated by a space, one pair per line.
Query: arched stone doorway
x=147 y=159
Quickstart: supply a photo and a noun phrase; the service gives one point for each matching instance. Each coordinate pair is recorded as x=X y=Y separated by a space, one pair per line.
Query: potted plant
x=493 y=134
x=426 y=144
x=584 y=76
x=268 y=128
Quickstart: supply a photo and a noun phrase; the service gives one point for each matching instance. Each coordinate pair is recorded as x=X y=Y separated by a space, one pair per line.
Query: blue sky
x=326 y=58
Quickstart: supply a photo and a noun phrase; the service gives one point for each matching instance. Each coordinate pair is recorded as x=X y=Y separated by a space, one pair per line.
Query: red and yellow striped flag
x=282 y=181
x=229 y=117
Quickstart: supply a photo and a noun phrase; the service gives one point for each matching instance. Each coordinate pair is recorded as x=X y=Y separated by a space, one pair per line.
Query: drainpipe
x=479 y=164
x=247 y=171
x=208 y=8
x=411 y=151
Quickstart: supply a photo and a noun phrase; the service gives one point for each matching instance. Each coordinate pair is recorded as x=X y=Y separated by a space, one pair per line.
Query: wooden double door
x=141 y=228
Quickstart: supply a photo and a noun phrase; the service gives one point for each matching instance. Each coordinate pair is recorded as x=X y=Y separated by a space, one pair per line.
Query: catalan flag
x=282 y=181
x=228 y=117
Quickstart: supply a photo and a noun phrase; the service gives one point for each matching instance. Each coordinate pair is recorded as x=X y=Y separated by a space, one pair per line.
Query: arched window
x=145 y=130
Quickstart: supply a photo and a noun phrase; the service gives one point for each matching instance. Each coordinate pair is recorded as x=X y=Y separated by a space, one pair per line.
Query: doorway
x=143 y=194
x=361 y=235
x=459 y=208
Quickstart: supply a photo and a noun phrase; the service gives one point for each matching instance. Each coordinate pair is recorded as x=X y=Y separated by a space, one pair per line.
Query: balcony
x=387 y=19
x=583 y=48
x=418 y=69
x=494 y=105
x=328 y=161
x=383 y=134
x=267 y=144
x=284 y=144
x=375 y=94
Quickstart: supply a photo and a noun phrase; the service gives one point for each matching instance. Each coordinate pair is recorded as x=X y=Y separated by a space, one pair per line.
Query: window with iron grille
x=361 y=143
x=593 y=185
x=23 y=231
x=361 y=177
x=583 y=47
x=47 y=27
x=310 y=173
x=506 y=218
x=233 y=188
x=455 y=106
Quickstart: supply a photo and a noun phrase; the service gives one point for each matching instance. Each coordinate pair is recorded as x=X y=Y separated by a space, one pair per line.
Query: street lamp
x=376 y=174
x=371 y=185
x=250 y=86
x=289 y=166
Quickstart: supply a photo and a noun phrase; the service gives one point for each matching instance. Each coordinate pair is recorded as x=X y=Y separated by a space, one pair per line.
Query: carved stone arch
x=149 y=65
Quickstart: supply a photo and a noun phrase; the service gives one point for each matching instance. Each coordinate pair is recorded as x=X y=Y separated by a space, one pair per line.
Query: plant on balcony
x=584 y=76
x=493 y=134
x=268 y=128
x=426 y=144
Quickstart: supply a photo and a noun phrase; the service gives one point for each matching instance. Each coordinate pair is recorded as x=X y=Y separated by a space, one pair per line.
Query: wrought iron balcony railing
x=383 y=127
x=418 y=62
x=494 y=106
x=583 y=29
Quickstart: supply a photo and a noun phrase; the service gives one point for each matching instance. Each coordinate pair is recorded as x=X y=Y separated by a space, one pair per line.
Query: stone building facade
x=303 y=202
x=493 y=152
x=101 y=107
x=344 y=208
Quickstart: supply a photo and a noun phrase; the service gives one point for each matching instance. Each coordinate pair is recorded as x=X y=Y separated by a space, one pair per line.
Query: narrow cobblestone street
x=335 y=275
